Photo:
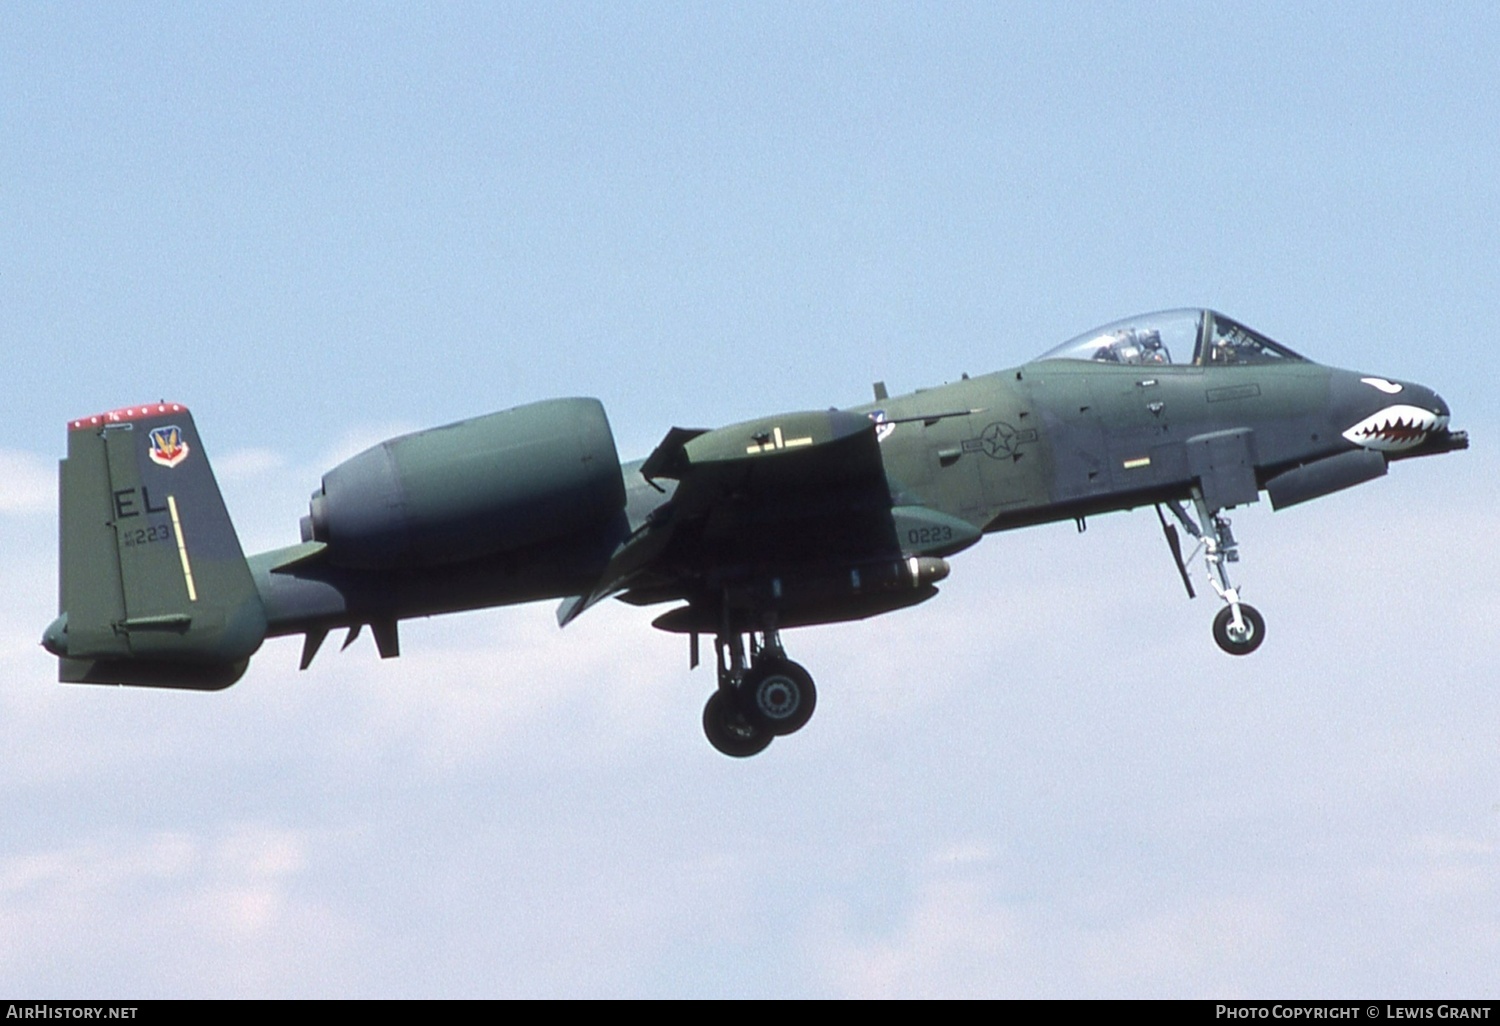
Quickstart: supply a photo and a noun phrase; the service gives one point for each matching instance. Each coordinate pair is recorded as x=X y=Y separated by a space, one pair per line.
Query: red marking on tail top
x=126 y=413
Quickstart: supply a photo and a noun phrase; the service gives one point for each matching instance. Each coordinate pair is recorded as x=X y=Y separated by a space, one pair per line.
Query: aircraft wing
x=796 y=490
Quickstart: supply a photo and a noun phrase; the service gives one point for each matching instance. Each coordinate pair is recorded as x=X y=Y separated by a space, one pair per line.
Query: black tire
x=779 y=695
x=1242 y=644
x=730 y=730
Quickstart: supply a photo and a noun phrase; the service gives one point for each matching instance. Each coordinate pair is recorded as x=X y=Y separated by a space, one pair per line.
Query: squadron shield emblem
x=167 y=447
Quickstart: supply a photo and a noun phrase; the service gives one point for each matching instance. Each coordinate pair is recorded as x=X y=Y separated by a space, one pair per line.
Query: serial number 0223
x=929 y=535
x=133 y=536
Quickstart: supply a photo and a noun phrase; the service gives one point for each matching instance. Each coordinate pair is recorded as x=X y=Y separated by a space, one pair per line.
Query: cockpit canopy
x=1186 y=337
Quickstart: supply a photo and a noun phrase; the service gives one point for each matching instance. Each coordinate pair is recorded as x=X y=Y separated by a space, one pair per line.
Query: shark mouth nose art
x=1396 y=427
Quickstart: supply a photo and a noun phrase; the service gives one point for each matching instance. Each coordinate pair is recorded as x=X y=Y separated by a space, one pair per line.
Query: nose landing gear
x=755 y=703
x=1244 y=638
x=1238 y=628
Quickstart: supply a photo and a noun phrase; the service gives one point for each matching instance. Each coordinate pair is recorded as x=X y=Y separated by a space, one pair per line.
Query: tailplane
x=154 y=589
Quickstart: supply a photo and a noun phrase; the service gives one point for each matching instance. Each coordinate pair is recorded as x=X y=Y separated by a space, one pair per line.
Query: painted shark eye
x=1381 y=384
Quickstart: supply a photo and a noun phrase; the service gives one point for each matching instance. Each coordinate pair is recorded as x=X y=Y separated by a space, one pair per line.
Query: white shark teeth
x=1395 y=428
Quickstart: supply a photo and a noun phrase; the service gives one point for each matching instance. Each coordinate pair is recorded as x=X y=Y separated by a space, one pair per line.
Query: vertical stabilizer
x=154 y=588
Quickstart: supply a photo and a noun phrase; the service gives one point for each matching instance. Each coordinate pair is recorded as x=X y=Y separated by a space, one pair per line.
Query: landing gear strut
x=759 y=699
x=1238 y=628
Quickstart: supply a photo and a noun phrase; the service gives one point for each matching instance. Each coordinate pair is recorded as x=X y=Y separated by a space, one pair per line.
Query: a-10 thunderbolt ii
x=779 y=522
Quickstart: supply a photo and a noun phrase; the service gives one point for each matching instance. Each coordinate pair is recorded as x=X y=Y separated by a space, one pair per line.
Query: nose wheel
x=758 y=700
x=1244 y=638
x=1238 y=628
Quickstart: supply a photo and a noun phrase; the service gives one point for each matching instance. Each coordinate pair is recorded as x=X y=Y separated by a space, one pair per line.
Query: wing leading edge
x=769 y=513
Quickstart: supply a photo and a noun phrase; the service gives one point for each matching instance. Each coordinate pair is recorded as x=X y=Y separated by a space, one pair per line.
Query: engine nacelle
x=480 y=487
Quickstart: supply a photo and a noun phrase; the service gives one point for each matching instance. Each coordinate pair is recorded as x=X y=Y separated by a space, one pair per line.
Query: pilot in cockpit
x=1135 y=346
x=1223 y=352
x=1152 y=349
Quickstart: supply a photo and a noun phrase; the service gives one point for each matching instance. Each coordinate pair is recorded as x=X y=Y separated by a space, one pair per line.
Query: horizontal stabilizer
x=294 y=556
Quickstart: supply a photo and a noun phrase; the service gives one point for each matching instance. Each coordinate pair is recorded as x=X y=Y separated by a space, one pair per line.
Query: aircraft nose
x=1391 y=416
x=1425 y=399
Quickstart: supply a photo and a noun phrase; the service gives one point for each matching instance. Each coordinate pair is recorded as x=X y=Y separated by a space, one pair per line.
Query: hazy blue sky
x=320 y=224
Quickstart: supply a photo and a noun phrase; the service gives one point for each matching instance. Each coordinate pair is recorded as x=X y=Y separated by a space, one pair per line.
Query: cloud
x=962 y=938
x=360 y=437
x=214 y=912
x=1046 y=781
x=955 y=941
x=247 y=464
x=30 y=483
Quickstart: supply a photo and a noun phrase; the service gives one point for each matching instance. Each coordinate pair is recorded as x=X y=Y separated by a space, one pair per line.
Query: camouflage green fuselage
x=1048 y=441
x=1058 y=439
x=783 y=521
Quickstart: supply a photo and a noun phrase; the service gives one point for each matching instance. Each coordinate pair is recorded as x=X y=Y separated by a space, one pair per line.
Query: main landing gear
x=1238 y=628
x=758 y=700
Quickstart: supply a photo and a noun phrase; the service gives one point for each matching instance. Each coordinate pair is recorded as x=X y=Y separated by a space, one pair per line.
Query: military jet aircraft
x=748 y=530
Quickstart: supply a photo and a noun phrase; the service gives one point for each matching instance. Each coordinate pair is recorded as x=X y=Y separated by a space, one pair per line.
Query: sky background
x=322 y=224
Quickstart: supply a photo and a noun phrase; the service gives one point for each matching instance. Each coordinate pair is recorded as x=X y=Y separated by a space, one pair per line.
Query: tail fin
x=154 y=589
